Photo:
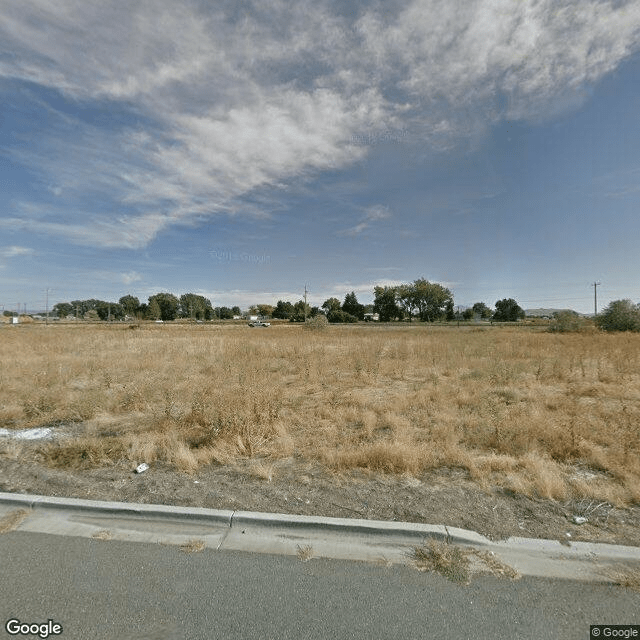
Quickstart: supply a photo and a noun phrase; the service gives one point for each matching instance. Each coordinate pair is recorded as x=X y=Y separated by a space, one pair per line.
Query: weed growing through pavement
x=193 y=546
x=304 y=553
x=104 y=534
x=459 y=564
x=448 y=560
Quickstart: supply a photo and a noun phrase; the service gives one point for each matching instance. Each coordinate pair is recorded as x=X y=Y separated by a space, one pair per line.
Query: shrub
x=317 y=323
x=341 y=316
x=620 y=315
x=568 y=321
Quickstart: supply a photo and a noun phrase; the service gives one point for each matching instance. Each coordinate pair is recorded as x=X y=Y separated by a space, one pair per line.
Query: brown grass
x=549 y=415
x=623 y=576
x=12 y=520
x=446 y=559
x=193 y=546
x=103 y=534
x=304 y=553
x=459 y=564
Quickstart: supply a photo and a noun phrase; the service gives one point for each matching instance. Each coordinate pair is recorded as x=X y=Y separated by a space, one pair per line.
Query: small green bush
x=620 y=315
x=341 y=316
x=317 y=323
x=568 y=321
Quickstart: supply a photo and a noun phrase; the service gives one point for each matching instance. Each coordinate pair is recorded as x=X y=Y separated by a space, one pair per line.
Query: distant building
x=372 y=317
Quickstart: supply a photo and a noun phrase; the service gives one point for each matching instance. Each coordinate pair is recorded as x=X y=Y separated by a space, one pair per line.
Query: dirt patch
x=296 y=487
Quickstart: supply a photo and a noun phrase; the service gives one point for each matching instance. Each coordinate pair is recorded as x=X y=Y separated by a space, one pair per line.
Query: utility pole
x=47 y=307
x=305 y=302
x=595 y=297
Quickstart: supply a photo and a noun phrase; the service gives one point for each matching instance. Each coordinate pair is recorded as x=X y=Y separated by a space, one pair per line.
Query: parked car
x=259 y=323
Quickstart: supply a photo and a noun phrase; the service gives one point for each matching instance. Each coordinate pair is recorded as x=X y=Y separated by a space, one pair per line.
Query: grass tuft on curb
x=624 y=576
x=305 y=553
x=446 y=559
x=12 y=520
x=193 y=546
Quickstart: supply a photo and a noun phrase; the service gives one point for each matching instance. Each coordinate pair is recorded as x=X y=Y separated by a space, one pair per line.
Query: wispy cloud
x=13 y=251
x=230 y=101
x=371 y=214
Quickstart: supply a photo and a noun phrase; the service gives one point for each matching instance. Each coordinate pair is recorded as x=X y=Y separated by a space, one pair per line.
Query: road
x=108 y=589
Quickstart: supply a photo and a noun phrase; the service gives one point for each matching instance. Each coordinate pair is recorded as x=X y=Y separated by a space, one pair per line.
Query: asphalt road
x=122 y=590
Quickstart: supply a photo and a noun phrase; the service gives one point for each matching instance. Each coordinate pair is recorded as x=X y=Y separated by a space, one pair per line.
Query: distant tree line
x=161 y=306
x=421 y=300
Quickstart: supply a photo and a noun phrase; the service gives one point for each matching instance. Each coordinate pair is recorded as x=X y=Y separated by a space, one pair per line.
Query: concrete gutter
x=305 y=536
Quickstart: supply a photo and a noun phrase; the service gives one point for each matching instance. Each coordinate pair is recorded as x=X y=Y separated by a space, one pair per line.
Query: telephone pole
x=305 y=302
x=47 y=307
x=595 y=297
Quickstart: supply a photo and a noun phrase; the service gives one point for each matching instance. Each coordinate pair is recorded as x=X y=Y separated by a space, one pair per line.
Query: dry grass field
x=549 y=415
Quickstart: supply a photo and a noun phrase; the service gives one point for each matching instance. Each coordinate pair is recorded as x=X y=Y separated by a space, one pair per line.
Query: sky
x=244 y=150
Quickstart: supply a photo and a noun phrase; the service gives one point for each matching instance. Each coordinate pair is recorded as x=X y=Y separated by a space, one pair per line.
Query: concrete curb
x=369 y=540
x=36 y=502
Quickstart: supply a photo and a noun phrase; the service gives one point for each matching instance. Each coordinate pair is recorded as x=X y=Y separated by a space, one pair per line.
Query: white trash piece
x=142 y=467
x=579 y=519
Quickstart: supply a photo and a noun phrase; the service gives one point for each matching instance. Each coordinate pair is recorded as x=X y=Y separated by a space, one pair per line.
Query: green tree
x=265 y=310
x=331 y=304
x=130 y=304
x=352 y=306
x=153 y=310
x=62 y=309
x=169 y=305
x=83 y=306
x=300 y=311
x=620 y=315
x=385 y=304
x=225 y=313
x=406 y=299
x=508 y=310
x=236 y=311
x=340 y=316
x=431 y=299
x=450 y=314
x=195 y=306
x=109 y=310
x=283 y=310
x=481 y=309
x=468 y=314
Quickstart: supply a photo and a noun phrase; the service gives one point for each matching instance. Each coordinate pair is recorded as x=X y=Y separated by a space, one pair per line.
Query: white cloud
x=233 y=101
x=13 y=251
x=130 y=277
x=371 y=214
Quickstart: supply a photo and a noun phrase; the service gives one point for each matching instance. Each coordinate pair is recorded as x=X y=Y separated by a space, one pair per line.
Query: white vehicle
x=259 y=323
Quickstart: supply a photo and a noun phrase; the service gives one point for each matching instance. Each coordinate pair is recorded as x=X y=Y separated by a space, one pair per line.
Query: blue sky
x=243 y=150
